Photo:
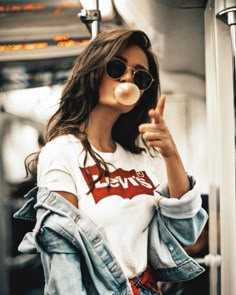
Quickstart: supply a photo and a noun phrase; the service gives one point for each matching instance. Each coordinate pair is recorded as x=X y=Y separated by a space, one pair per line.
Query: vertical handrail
x=221 y=126
x=91 y=18
x=95 y=27
x=4 y=285
x=213 y=144
x=231 y=19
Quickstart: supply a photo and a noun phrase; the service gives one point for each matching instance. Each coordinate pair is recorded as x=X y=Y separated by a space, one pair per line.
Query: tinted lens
x=142 y=79
x=115 y=68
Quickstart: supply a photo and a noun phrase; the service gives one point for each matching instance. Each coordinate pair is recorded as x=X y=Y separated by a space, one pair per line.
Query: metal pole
x=231 y=19
x=231 y=16
x=213 y=143
x=226 y=94
x=95 y=27
x=91 y=18
x=221 y=128
x=4 y=288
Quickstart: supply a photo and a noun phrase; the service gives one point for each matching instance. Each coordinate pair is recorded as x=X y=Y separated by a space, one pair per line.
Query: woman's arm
x=158 y=136
x=55 y=169
x=69 y=197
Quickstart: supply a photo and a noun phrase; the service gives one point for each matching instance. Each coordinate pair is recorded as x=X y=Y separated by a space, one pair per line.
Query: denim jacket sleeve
x=176 y=224
x=56 y=260
x=75 y=258
x=184 y=217
x=57 y=255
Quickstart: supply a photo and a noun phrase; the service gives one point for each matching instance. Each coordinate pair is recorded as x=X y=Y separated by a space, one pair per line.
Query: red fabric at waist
x=145 y=281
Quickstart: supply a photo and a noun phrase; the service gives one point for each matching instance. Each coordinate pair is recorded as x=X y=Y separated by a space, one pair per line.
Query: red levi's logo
x=126 y=184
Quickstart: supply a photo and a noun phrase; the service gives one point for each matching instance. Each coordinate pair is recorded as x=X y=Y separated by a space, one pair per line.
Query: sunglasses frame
x=133 y=72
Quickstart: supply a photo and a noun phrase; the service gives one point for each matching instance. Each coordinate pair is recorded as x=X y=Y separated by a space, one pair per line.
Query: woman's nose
x=128 y=76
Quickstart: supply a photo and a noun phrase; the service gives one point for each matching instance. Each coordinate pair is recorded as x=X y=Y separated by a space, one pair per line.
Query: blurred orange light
x=67 y=4
x=60 y=42
x=61 y=37
x=70 y=43
x=26 y=46
x=28 y=7
x=34 y=7
x=67 y=43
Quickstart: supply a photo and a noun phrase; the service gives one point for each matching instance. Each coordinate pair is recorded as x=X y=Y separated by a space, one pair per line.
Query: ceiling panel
x=51 y=31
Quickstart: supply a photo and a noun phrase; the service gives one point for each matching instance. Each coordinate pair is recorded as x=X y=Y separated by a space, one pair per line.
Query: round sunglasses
x=117 y=68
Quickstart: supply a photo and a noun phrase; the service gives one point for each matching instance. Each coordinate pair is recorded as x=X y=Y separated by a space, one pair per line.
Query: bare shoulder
x=69 y=197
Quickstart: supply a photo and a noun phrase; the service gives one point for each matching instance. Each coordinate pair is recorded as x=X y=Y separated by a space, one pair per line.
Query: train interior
x=194 y=42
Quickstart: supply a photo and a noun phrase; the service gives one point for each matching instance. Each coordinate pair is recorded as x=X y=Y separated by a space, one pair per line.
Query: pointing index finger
x=156 y=115
x=161 y=105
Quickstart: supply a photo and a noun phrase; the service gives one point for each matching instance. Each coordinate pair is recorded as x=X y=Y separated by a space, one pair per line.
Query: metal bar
x=226 y=117
x=221 y=129
x=95 y=27
x=210 y=260
x=231 y=18
x=4 y=289
x=213 y=142
x=91 y=18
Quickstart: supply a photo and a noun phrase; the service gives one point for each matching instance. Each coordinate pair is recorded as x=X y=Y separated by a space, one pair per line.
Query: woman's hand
x=156 y=134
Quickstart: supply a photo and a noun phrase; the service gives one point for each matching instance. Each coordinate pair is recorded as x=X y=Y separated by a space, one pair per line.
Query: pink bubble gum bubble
x=127 y=93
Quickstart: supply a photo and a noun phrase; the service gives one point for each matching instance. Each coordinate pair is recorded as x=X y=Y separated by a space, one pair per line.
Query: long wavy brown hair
x=81 y=94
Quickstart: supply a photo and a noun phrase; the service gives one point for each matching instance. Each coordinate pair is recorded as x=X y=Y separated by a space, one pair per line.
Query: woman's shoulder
x=61 y=145
x=62 y=140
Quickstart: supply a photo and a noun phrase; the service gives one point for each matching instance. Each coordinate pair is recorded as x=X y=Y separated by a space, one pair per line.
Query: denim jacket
x=77 y=260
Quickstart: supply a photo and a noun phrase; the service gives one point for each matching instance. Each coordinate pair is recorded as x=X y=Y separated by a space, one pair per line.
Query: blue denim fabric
x=145 y=292
x=76 y=259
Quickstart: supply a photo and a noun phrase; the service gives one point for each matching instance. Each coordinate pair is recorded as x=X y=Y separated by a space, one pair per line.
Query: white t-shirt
x=121 y=212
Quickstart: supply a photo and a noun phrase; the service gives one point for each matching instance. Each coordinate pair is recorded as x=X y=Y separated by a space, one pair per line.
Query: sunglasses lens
x=142 y=79
x=115 y=68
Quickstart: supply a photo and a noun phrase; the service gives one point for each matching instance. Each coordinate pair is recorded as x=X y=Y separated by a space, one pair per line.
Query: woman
x=98 y=174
